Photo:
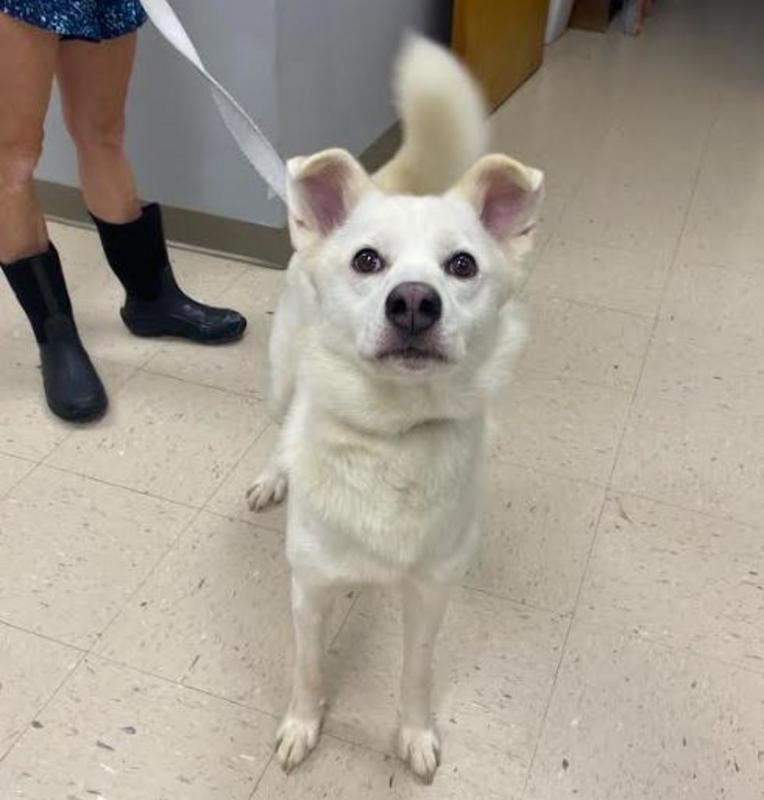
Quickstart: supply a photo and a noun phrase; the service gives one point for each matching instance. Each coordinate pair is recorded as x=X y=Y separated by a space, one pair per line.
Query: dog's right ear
x=322 y=190
x=505 y=194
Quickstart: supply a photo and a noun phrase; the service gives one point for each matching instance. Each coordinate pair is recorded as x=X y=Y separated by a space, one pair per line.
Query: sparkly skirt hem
x=90 y=20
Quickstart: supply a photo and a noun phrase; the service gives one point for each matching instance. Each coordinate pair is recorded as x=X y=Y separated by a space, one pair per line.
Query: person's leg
x=94 y=80
x=27 y=63
x=28 y=55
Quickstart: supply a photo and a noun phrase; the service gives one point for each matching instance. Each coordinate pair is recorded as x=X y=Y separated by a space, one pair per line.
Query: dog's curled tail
x=444 y=120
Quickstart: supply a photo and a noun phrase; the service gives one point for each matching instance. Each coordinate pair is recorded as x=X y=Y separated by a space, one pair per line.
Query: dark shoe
x=72 y=387
x=173 y=313
x=155 y=304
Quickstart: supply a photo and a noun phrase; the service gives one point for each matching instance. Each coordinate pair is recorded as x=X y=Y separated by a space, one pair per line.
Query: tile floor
x=608 y=643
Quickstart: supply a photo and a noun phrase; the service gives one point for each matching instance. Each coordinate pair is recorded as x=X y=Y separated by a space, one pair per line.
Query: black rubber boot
x=155 y=304
x=72 y=387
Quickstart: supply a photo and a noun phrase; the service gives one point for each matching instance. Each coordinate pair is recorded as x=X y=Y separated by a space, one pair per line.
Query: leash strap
x=251 y=140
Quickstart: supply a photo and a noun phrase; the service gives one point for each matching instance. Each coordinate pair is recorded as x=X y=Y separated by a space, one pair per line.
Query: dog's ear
x=505 y=194
x=322 y=190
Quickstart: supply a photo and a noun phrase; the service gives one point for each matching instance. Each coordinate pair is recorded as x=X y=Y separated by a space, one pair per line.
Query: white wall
x=333 y=62
x=312 y=73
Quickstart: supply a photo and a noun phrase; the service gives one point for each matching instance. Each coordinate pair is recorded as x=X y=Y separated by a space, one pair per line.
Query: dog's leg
x=270 y=486
x=424 y=603
x=300 y=728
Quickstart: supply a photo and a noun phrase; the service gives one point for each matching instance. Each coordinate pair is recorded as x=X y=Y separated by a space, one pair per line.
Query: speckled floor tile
x=631 y=720
x=111 y=732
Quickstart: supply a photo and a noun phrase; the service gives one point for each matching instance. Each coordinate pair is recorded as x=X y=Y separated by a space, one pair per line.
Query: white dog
x=396 y=328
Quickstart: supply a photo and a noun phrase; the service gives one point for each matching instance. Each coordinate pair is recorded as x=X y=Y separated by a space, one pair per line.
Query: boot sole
x=152 y=330
x=89 y=414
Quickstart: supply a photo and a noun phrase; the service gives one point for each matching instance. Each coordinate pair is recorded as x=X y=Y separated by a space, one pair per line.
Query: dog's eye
x=367 y=261
x=461 y=265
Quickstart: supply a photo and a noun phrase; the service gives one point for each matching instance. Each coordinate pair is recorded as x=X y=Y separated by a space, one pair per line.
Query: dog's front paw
x=295 y=739
x=268 y=490
x=420 y=749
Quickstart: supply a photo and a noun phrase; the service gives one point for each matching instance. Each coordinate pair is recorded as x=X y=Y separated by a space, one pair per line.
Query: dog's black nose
x=413 y=307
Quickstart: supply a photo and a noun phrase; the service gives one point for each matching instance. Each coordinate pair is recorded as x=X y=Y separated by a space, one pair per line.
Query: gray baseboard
x=380 y=151
x=232 y=238
x=243 y=241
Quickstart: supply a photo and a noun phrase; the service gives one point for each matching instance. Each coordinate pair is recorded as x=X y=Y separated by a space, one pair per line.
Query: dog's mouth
x=411 y=357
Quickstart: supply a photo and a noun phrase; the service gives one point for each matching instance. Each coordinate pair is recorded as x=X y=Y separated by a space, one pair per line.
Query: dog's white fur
x=383 y=453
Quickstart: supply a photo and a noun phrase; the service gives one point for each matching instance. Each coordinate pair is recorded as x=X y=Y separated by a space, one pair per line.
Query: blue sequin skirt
x=79 y=19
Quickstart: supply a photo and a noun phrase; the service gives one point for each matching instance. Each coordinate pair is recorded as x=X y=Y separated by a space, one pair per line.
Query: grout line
x=18 y=483
x=179 y=684
x=755 y=268
x=21 y=629
x=714 y=409
x=260 y=777
x=41 y=709
x=184 y=529
x=148 y=369
x=18 y=457
x=521 y=370
x=267 y=526
x=614 y=491
x=219 y=389
x=44 y=460
x=356 y=596
x=139 y=586
x=519 y=605
x=663 y=256
x=604 y=245
x=565 y=376
x=149 y=358
x=574 y=301
x=242 y=270
x=205 y=506
x=563 y=649
x=123 y=487
x=33 y=465
x=673 y=647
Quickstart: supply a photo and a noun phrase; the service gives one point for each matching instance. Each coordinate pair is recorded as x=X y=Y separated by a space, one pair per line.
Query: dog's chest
x=401 y=499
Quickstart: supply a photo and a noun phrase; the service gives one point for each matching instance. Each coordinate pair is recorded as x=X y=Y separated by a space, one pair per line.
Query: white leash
x=251 y=140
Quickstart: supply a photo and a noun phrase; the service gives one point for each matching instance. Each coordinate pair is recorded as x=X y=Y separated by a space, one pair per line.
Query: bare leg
x=27 y=63
x=424 y=603
x=300 y=728
x=94 y=80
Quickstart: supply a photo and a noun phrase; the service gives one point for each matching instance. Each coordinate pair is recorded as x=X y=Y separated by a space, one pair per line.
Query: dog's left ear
x=322 y=190
x=505 y=194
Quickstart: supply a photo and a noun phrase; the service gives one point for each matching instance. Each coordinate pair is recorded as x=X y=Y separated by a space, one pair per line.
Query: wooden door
x=501 y=41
